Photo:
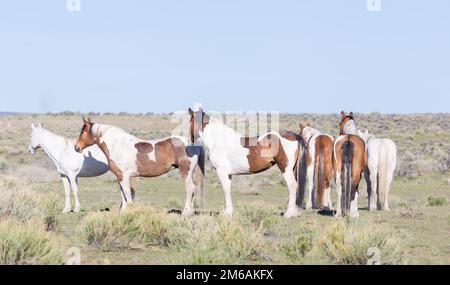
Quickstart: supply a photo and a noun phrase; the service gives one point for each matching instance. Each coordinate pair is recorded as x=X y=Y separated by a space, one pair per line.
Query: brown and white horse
x=129 y=157
x=230 y=154
x=349 y=162
x=319 y=161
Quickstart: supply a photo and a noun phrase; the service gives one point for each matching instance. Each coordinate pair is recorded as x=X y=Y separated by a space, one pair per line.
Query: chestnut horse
x=230 y=154
x=349 y=162
x=319 y=161
x=129 y=157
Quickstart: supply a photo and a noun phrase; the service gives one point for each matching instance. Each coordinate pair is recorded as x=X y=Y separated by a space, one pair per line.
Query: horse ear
x=84 y=120
x=33 y=127
x=89 y=120
x=190 y=112
x=351 y=114
x=301 y=126
x=342 y=114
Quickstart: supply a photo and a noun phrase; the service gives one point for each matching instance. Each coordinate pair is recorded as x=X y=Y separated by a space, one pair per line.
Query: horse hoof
x=338 y=215
x=228 y=213
x=187 y=213
x=291 y=214
x=65 y=211
x=77 y=210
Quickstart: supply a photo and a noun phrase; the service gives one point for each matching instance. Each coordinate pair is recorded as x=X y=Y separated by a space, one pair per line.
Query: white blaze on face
x=350 y=128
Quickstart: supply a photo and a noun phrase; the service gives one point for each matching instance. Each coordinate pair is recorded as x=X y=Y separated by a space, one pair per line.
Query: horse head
x=347 y=126
x=86 y=137
x=34 y=138
x=198 y=122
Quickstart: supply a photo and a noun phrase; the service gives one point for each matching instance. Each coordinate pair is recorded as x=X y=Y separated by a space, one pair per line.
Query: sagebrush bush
x=297 y=249
x=28 y=243
x=433 y=201
x=349 y=243
x=260 y=217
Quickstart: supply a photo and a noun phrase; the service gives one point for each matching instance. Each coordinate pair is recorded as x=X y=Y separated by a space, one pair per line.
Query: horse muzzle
x=78 y=149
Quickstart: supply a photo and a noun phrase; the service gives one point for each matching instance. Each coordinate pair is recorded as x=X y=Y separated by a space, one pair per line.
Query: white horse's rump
x=69 y=163
x=382 y=160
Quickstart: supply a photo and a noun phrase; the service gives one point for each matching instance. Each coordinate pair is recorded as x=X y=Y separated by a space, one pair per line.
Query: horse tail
x=199 y=176
x=348 y=149
x=382 y=175
x=301 y=173
x=318 y=178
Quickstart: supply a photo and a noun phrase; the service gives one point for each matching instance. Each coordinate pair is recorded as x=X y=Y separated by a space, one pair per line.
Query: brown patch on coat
x=168 y=153
x=112 y=165
x=265 y=153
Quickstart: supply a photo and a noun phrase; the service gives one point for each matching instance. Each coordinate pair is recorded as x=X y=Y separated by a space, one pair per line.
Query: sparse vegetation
x=437 y=201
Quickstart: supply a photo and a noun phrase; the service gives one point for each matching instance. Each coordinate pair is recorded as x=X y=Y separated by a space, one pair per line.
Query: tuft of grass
x=17 y=200
x=297 y=249
x=259 y=217
x=207 y=240
x=434 y=201
x=352 y=243
x=50 y=207
x=27 y=243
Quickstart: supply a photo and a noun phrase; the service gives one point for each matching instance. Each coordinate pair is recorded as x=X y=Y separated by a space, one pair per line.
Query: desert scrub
x=433 y=201
x=17 y=200
x=298 y=248
x=259 y=217
x=207 y=240
x=134 y=228
x=27 y=243
x=350 y=243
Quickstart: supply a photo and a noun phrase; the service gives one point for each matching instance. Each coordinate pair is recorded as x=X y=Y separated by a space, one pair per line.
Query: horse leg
x=339 y=195
x=354 y=206
x=373 y=198
x=328 y=202
x=310 y=173
x=126 y=192
x=66 y=184
x=292 y=210
x=225 y=179
x=388 y=188
x=74 y=182
x=187 y=174
x=133 y=187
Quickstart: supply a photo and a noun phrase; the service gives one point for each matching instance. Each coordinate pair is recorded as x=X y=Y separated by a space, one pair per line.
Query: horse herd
x=306 y=157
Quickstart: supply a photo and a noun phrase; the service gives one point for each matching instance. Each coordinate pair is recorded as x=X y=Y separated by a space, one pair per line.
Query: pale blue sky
x=285 y=55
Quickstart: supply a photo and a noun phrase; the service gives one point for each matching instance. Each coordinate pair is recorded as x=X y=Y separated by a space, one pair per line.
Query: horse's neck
x=217 y=133
x=53 y=145
x=108 y=134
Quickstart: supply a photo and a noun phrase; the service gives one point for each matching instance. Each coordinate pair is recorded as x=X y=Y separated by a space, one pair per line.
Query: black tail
x=318 y=179
x=346 y=181
x=301 y=174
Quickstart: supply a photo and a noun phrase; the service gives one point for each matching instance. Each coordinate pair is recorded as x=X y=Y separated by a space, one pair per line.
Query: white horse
x=230 y=154
x=382 y=160
x=69 y=163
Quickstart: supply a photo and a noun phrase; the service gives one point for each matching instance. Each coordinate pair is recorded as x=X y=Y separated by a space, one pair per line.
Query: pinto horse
x=69 y=163
x=129 y=156
x=349 y=162
x=319 y=161
x=230 y=154
x=382 y=160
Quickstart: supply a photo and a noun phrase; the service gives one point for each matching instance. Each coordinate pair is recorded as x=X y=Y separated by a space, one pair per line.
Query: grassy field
x=415 y=231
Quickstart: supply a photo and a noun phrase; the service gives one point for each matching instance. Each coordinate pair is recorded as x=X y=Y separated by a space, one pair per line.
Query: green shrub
x=297 y=249
x=350 y=244
x=27 y=243
x=437 y=201
x=259 y=216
